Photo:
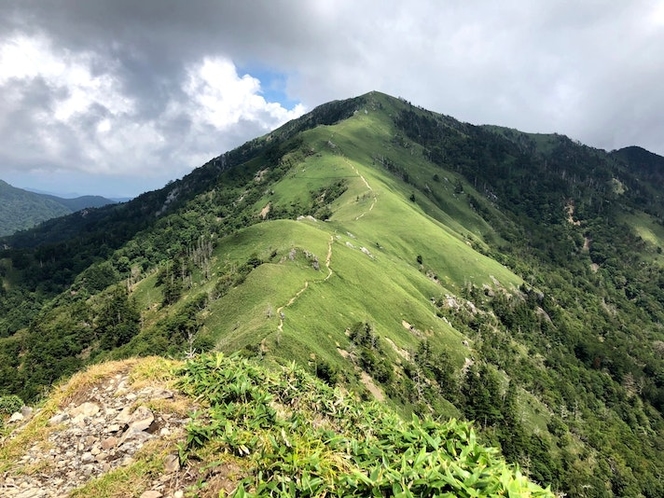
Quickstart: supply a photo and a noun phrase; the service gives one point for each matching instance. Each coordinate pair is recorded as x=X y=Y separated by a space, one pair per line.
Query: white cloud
x=75 y=117
x=223 y=109
x=25 y=57
x=222 y=98
x=68 y=75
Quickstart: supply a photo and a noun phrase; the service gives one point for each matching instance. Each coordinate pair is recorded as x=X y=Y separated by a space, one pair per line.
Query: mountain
x=21 y=209
x=444 y=269
x=83 y=202
x=121 y=199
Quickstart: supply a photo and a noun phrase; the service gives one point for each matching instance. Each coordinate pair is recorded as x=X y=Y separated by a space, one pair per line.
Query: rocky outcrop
x=101 y=429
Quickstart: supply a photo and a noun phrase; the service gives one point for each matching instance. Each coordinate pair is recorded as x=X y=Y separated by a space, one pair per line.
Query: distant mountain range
x=21 y=209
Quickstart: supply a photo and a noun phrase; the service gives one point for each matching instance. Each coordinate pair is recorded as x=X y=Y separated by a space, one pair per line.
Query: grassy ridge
x=389 y=256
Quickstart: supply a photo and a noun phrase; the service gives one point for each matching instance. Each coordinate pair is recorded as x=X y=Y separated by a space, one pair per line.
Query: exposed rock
x=367 y=252
x=155 y=393
x=151 y=494
x=109 y=443
x=27 y=412
x=101 y=430
x=86 y=409
x=171 y=464
x=16 y=417
x=141 y=419
x=58 y=418
x=124 y=416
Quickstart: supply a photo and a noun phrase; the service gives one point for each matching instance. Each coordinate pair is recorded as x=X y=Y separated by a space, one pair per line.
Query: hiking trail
x=328 y=258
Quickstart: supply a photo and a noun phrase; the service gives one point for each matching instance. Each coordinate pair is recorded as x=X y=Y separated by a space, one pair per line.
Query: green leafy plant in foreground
x=300 y=437
x=10 y=404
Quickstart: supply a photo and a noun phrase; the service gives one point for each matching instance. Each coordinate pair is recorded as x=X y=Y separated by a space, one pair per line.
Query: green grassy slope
x=367 y=256
x=366 y=243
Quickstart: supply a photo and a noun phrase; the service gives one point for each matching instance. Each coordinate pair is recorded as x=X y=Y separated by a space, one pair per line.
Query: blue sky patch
x=273 y=83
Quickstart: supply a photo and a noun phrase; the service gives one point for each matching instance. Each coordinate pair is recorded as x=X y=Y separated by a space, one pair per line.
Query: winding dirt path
x=366 y=183
x=328 y=258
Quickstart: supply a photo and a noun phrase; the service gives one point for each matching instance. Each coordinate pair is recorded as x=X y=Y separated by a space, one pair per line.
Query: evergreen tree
x=481 y=391
x=511 y=436
x=118 y=320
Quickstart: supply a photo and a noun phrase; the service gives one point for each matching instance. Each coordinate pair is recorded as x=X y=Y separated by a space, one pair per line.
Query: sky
x=117 y=97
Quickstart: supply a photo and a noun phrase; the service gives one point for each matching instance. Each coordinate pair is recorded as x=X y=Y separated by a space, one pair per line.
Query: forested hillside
x=21 y=209
x=445 y=269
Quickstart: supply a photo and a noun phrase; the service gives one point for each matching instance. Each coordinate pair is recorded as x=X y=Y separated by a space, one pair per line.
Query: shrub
x=10 y=404
x=329 y=444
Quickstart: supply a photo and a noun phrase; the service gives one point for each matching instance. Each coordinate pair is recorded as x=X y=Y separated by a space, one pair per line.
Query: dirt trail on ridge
x=328 y=259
